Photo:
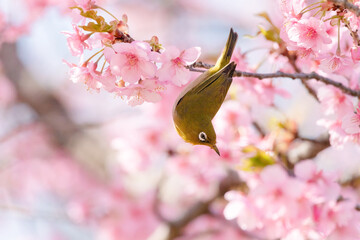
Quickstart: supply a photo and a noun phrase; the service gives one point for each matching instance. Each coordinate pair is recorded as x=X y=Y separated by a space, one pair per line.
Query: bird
x=198 y=103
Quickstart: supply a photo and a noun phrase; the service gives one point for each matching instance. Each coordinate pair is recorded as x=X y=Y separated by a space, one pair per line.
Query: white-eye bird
x=198 y=103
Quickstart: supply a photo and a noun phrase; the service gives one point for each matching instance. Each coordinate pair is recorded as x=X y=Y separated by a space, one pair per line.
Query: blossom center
x=278 y=193
x=311 y=33
x=132 y=59
x=177 y=61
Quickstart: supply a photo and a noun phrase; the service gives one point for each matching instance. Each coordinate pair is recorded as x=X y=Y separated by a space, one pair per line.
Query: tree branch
x=292 y=61
x=353 y=34
x=279 y=74
x=176 y=227
x=347 y=5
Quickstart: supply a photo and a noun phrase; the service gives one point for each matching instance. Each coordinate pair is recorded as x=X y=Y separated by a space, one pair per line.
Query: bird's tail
x=225 y=57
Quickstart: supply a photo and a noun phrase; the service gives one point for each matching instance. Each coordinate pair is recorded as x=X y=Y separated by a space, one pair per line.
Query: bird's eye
x=202 y=137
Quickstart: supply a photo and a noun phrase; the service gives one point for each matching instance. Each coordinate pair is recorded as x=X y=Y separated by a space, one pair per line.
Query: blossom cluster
x=325 y=38
x=137 y=71
x=153 y=178
x=309 y=205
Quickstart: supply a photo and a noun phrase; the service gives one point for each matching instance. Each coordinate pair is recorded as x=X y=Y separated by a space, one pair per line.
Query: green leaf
x=271 y=34
x=257 y=161
x=99 y=26
x=265 y=16
x=251 y=36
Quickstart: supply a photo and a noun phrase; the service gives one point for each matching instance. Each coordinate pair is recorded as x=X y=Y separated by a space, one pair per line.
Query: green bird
x=198 y=103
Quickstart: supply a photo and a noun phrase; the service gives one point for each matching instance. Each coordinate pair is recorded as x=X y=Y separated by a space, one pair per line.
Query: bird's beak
x=215 y=149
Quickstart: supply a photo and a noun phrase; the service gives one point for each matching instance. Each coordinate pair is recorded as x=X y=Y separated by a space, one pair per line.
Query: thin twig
x=353 y=34
x=259 y=129
x=345 y=4
x=292 y=61
x=316 y=141
x=200 y=208
x=279 y=74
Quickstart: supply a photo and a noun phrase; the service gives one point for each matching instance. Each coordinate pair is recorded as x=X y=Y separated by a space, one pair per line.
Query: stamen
x=86 y=62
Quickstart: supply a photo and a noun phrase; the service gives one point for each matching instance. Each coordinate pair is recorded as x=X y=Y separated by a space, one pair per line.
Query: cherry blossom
x=355 y=54
x=86 y=74
x=76 y=41
x=85 y=4
x=352 y=18
x=130 y=61
x=334 y=63
x=351 y=122
x=308 y=33
x=174 y=62
x=148 y=178
x=334 y=101
x=148 y=90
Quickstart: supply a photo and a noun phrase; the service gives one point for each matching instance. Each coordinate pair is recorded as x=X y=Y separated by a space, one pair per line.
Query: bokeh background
x=69 y=156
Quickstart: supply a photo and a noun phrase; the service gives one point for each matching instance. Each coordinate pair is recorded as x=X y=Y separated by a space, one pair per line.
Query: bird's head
x=208 y=139
x=202 y=134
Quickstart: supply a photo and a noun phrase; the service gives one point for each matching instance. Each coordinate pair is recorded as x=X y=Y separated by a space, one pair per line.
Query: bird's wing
x=218 y=79
x=207 y=96
x=213 y=94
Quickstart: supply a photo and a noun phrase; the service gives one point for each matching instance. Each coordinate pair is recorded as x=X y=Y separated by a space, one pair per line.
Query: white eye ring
x=202 y=137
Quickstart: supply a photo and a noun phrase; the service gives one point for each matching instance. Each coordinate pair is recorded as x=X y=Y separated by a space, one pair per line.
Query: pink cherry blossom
x=108 y=81
x=355 y=53
x=309 y=33
x=173 y=65
x=131 y=61
x=291 y=8
x=240 y=59
x=338 y=218
x=334 y=101
x=84 y=4
x=352 y=18
x=243 y=210
x=76 y=41
x=100 y=40
x=146 y=91
x=351 y=122
x=275 y=191
x=200 y=177
x=334 y=63
x=86 y=74
x=321 y=186
x=338 y=137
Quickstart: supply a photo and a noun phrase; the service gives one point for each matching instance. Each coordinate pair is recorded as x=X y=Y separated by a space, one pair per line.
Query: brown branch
x=313 y=149
x=347 y=5
x=354 y=34
x=292 y=61
x=177 y=226
x=279 y=74
x=316 y=141
x=259 y=129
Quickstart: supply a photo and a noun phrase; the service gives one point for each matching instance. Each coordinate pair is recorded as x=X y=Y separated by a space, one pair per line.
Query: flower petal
x=117 y=63
x=189 y=56
x=351 y=124
x=170 y=53
x=130 y=74
x=148 y=69
x=166 y=72
x=182 y=76
x=150 y=96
